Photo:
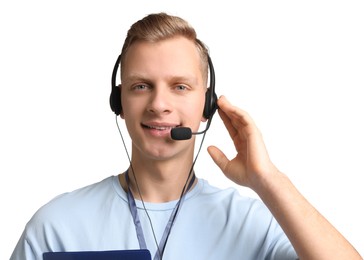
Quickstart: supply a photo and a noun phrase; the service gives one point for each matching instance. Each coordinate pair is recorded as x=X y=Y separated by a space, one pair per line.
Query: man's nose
x=160 y=101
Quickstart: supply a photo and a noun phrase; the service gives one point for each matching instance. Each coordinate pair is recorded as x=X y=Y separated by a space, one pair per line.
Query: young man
x=158 y=203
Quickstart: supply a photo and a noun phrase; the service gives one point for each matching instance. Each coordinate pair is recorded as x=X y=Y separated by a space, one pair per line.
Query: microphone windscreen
x=181 y=133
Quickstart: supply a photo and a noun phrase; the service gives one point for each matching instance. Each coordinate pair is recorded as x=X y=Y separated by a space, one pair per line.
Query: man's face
x=162 y=88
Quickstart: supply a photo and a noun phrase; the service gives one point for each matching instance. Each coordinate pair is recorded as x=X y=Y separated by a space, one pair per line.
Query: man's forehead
x=176 y=58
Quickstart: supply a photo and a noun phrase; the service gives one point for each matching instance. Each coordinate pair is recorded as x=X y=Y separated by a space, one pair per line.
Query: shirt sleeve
x=280 y=247
x=24 y=250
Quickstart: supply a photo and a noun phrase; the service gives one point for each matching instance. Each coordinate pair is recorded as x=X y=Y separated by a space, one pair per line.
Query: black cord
x=184 y=189
x=178 y=205
x=137 y=185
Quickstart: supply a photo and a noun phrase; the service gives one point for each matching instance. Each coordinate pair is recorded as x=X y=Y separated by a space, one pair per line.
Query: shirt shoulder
x=78 y=202
x=229 y=198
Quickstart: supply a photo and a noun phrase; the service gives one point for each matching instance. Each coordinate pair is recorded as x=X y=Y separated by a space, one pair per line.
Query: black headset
x=210 y=96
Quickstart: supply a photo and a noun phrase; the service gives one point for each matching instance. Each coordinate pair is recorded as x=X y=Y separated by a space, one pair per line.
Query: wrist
x=268 y=181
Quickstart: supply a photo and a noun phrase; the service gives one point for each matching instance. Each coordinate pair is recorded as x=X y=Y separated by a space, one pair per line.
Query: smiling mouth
x=159 y=128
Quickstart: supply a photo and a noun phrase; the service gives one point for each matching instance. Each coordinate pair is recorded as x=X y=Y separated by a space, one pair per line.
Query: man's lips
x=159 y=126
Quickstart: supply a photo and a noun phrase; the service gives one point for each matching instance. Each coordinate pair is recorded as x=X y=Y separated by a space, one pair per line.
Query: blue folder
x=99 y=255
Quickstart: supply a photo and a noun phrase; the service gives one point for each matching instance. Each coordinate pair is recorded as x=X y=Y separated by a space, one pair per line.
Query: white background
x=296 y=66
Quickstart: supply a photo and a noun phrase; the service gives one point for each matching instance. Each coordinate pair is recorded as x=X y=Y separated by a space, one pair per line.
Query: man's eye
x=140 y=87
x=181 y=87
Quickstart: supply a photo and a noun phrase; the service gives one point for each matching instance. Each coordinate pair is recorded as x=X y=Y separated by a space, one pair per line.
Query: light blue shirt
x=212 y=224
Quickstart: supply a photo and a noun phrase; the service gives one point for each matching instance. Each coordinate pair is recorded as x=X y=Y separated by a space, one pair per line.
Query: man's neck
x=157 y=181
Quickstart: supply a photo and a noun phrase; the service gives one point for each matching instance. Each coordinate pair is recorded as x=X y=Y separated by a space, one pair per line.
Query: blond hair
x=161 y=26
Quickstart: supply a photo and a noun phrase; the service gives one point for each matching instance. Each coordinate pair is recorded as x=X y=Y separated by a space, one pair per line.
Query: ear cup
x=115 y=100
x=210 y=95
x=115 y=96
x=210 y=104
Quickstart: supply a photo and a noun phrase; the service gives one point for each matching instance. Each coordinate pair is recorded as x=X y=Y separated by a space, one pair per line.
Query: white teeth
x=161 y=128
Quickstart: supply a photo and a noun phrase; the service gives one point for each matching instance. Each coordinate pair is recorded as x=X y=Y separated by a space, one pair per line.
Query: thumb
x=218 y=157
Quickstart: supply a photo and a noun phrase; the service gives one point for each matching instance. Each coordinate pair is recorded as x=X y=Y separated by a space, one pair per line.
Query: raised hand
x=252 y=160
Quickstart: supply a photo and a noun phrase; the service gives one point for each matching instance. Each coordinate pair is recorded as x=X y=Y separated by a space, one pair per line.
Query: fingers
x=228 y=124
x=231 y=111
x=235 y=119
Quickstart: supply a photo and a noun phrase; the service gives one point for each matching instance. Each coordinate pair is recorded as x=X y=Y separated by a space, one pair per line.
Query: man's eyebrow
x=188 y=79
x=191 y=80
x=134 y=78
